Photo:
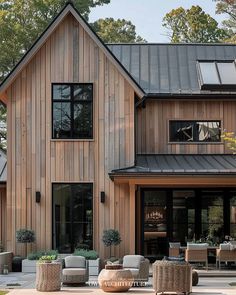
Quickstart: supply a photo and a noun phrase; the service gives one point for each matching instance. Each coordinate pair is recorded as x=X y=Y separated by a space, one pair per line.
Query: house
x=118 y=136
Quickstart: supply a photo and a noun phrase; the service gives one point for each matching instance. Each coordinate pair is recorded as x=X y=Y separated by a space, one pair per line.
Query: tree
x=230 y=139
x=115 y=31
x=228 y=7
x=193 y=25
x=111 y=237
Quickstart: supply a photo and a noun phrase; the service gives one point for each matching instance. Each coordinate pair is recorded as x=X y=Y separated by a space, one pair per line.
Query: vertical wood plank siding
x=153 y=125
x=35 y=161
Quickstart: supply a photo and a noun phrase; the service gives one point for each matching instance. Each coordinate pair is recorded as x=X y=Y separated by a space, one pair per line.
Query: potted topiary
x=111 y=237
x=25 y=236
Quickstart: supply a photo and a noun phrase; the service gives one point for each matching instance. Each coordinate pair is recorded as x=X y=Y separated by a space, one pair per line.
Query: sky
x=147 y=15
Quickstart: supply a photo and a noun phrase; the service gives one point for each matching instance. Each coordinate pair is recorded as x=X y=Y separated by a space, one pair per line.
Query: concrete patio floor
x=207 y=285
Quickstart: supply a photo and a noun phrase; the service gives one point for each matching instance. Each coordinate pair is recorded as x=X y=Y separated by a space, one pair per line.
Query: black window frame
x=72 y=102
x=195 y=140
x=71 y=213
x=214 y=87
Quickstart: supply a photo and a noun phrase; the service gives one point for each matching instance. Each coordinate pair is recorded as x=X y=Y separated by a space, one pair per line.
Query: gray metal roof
x=3 y=167
x=169 y=68
x=181 y=164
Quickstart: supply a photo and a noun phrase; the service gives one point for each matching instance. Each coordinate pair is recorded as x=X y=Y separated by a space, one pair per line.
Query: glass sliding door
x=72 y=216
x=183 y=215
x=212 y=215
x=233 y=215
x=154 y=223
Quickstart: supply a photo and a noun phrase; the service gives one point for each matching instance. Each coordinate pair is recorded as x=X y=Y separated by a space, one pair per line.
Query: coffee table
x=116 y=280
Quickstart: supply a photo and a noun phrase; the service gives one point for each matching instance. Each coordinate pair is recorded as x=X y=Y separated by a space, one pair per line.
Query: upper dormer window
x=217 y=75
x=72 y=111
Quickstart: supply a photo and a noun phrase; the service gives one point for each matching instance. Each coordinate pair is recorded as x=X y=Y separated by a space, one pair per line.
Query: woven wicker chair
x=139 y=267
x=75 y=271
x=225 y=254
x=197 y=253
x=174 y=249
x=169 y=276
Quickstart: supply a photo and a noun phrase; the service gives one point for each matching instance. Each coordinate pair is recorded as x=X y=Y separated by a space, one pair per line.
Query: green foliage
x=116 y=31
x=25 y=236
x=230 y=139
x=37 y=255
x=228 y=8
x=82 y=247
x=88 y=254
x=3 y=126
x=111 y=237
x=3 y=292
x=193 y=25
x=47 y=258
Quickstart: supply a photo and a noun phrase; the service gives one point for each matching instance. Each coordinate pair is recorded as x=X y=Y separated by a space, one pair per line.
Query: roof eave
x=69 y=8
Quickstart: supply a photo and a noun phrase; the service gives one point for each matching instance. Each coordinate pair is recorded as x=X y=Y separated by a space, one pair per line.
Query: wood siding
x=153 y=125
x=3 y=228
x=35 y=161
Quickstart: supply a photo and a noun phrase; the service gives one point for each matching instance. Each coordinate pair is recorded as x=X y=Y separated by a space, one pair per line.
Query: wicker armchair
x=139 y=267
x=75 y=271
x=169 y=276
x=225 y=254
x=197 y=253
x=174 y=249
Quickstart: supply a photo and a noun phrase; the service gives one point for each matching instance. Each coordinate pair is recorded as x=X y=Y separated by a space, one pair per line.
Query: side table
x=48 y=276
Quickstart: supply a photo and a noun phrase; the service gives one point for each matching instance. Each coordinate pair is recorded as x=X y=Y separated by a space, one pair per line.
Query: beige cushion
x=134 y=271
x=132 y=261
x=175 y=245
x=75 y=261
x=192 y=246
x=225 y=246
x=74 y=271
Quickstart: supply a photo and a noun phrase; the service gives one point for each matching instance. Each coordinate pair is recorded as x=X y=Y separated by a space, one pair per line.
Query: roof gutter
x=200 y=96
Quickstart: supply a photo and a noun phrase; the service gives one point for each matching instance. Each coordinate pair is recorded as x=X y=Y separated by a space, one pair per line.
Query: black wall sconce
x=102 y=197
x=37 y=197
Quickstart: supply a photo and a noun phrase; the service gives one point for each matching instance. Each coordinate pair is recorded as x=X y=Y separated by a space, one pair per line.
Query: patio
x=217 y=283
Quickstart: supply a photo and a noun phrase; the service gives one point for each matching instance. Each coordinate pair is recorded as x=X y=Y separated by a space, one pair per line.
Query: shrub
x=82 y=246
x=111 y=237
x=88 y=254
x=37 y=255
x=25 y=236
x=47 y=258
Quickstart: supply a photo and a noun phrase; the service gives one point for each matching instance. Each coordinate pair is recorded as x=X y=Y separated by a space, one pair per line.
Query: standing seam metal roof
x=170 y=68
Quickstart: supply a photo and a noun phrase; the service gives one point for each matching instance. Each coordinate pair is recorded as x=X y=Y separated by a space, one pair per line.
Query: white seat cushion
x=225 y=246
x=75 y=261
x=175 y=245
x=132 y=261
x=73 y=271
x=134 y=271
x=232 y=245
x=192 y=246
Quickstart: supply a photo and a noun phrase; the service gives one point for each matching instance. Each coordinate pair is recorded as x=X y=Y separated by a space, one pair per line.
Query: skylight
x=216 y=75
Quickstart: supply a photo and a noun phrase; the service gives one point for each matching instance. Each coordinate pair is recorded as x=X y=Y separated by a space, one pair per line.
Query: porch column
x=132 y=188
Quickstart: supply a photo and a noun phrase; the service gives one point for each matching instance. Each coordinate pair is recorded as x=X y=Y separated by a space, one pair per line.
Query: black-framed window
x=194 y=131
x=72 y=216
x=216 y=75
x=72 y=111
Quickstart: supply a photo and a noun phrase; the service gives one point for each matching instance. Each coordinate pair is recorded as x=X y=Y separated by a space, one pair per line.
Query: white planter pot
x=29 y=266
x=94 y=267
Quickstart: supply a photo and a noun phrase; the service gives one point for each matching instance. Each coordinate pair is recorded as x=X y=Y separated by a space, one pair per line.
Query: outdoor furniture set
x=198 y=252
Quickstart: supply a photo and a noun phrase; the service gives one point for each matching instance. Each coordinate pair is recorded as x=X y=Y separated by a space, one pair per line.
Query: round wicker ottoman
x=48 y=277
x=119 y=280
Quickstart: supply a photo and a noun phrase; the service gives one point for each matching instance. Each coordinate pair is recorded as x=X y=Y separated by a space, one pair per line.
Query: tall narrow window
x=72 y=111
x=72 y=216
